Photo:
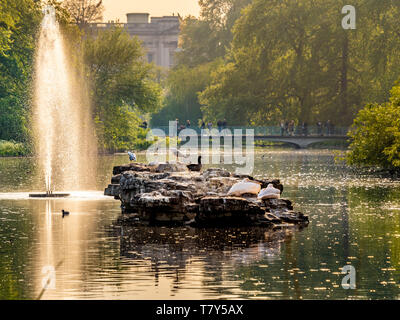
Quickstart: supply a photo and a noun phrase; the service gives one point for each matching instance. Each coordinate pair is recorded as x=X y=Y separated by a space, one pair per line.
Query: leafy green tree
x=18 y=25
x=123 y=86
x=8 y=19
x=182 y=87
x=292 y=59
x=203 y=43
x=207 y=38
x=120 y=130
x=375 y=134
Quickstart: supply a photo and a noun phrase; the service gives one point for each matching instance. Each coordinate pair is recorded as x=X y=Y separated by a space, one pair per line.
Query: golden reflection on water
x=354 y=220
x=149 y=262
x=63 y=244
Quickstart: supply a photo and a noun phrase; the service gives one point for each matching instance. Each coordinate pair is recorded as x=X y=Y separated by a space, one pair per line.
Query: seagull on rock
x=132 y=156
x=177 y=153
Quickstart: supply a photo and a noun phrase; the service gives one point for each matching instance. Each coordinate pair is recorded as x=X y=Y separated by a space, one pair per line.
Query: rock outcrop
x=170 y=193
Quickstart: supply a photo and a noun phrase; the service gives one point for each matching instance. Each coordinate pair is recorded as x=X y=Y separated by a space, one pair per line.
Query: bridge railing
x=274 y=130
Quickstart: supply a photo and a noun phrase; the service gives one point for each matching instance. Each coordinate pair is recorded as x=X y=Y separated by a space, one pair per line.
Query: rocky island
x=169 y=193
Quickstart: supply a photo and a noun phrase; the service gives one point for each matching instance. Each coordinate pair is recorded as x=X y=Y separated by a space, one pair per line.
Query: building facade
x=159 y=35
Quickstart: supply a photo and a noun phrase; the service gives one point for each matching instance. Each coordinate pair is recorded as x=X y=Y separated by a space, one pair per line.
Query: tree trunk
x=344 y=80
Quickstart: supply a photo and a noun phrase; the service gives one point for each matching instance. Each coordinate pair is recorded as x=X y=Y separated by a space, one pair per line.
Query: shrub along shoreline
x=13 y=149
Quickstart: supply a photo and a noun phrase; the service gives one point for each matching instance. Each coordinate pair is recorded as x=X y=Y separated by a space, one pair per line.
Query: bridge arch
x=302 y=142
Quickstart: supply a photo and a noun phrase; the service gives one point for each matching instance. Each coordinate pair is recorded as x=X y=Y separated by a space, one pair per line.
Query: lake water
x=354 y=219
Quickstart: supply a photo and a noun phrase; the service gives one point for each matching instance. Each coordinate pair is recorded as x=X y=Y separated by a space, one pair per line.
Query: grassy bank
x=13 y=149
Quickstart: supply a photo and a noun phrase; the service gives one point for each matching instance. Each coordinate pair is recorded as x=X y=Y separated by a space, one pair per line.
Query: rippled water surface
x=354 y=219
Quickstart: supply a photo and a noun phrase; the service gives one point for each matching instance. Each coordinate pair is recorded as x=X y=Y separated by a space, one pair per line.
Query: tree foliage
x=19 y=20
x=375 y=134
x=182 y=87
x=123 y=86
x=83 y=12
x=8 y=20
x=291 y=59
x=203 y=44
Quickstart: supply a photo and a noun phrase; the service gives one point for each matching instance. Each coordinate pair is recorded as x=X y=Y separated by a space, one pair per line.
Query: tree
x=203 y=43
x=291 y=59
x=8 y=20
x=265 y=77
x=84 y=12
x=19 y=22
x=182 y=87
x=205 y=39
x=375 y=134
x=123 y=86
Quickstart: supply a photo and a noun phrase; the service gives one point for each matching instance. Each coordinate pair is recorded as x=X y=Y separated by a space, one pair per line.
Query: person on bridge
x=219 y=125
x=291 y=128
x=304 y=129
x=319 y=128
x=328 y=127
x=283 y=128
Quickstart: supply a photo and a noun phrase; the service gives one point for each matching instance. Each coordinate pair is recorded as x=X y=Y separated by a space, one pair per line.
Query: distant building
x=159 y=36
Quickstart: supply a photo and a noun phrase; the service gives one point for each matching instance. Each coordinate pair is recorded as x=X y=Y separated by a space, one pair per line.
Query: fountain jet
x=64 y=134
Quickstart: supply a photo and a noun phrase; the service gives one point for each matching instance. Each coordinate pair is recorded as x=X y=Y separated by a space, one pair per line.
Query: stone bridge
x=301 y=142
x=272 y=133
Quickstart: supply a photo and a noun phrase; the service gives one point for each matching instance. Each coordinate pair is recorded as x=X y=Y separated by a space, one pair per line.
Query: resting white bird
x=270 y=192
x=132 y=156
x=243 y=187
x=177 y=153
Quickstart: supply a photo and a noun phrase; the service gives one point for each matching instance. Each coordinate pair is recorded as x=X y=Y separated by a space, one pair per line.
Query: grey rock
x=169 y=193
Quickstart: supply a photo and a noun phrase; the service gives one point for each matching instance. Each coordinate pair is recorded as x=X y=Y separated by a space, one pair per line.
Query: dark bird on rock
x=64 y=213
x=195 y=167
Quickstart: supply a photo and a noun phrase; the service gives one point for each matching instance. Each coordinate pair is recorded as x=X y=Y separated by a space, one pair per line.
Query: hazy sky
x=117 y=9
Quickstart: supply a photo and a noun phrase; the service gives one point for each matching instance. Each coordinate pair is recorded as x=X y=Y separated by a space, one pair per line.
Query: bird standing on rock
x=195 y=167
x=132 y=156
x=64 y=213
x=178 y=154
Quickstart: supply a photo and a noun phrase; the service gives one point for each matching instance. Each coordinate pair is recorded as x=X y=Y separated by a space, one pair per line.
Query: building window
x=149 y=57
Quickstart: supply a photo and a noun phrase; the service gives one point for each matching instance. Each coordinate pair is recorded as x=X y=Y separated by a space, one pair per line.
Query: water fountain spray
x=62 y=123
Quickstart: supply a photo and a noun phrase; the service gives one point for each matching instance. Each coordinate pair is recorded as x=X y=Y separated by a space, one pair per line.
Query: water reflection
x=173 y=252
x=355 y=219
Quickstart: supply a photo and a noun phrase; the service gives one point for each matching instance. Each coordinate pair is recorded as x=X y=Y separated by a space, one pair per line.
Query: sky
x=117 y=9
